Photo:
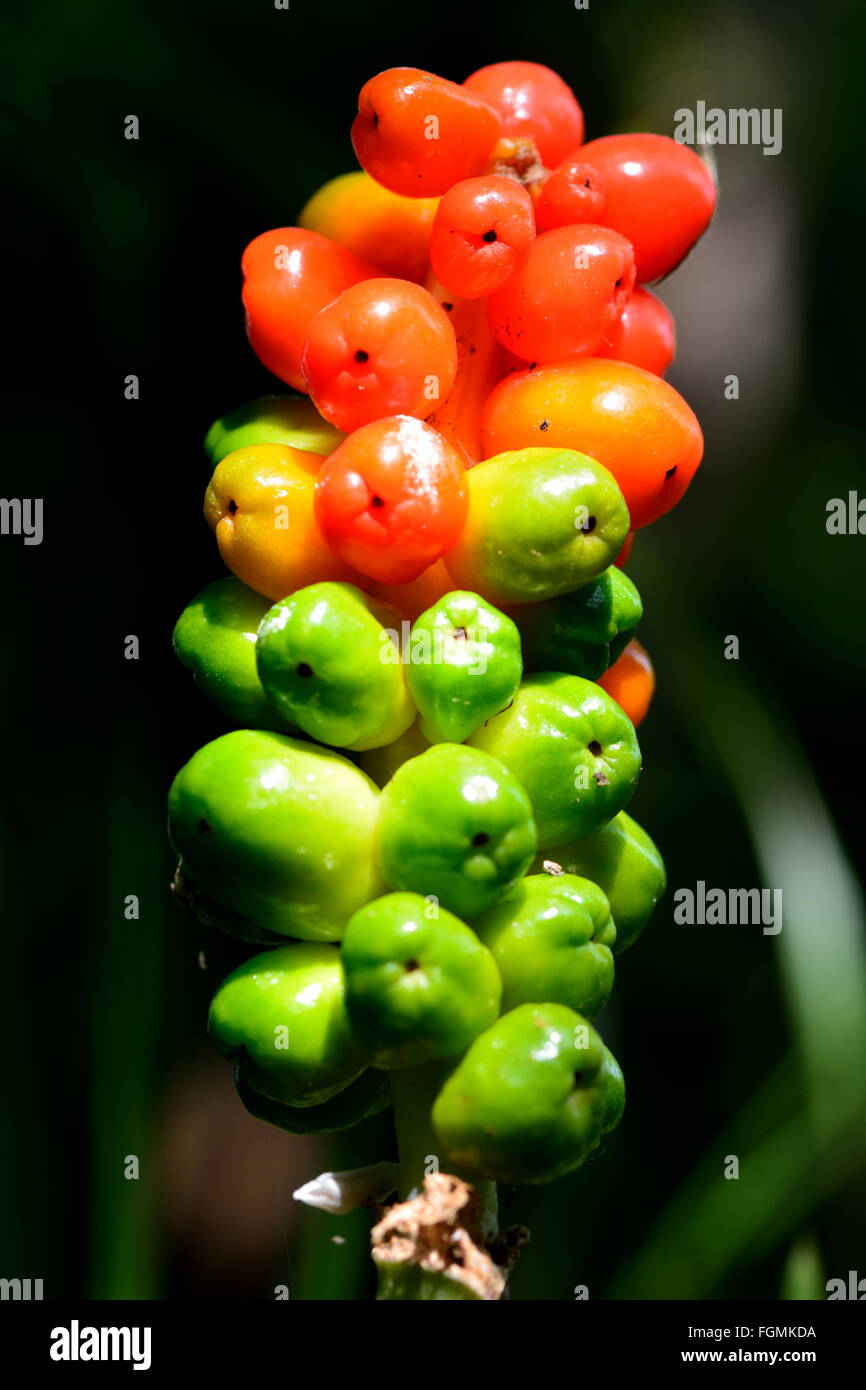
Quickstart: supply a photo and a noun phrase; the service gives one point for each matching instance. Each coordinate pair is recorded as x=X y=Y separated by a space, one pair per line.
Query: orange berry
x=630 y=421
x=375 y=223
x=631 y=681
x=260 y=504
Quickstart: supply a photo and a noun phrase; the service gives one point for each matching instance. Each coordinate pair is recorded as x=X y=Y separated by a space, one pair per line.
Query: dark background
x=124 y=258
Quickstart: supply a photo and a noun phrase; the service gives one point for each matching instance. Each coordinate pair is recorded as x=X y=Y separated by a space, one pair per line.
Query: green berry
x=581 y=633
x=328 y=664
x=573 y=749
x=623 y=860
x=215 y=637
x=455 y=823
x=541 y=522
x=292 y=420
x=419 y=983
x=551 y=938
x=282 y=1017
x=464 y=665
x=278 y=831
x=367 y=1096
x=531 y=1098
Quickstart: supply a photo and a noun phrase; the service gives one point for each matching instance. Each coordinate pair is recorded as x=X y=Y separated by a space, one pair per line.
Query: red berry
x=289 y=275
x=417 y=134
x=394 y=497
x=532 y=100
x=567 y=292
x=659 y=194
x=573 y=193
x=644 y=335
x=622 y=558
x=385 y=347
x=480 y=228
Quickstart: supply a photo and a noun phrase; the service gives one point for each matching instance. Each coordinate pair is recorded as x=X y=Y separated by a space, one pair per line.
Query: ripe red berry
x=644 y=335
x=385 y=347
x=532 y=100
x=417 y=134
x=658 y=194
x=394 y=497
x=622 y=558
x=574 y=192
x=480 y=228
x=289 y=275
x=567 y=292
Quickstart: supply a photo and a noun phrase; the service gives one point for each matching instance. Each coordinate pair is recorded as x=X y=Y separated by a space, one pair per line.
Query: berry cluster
x=427 y=548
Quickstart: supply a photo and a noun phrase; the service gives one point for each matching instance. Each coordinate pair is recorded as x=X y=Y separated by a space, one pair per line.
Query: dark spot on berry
x=448 y=308
x=204 y=827
x=670 y=473
x=532 y=366
x=482 y=838
x=594 y=748
x=304 y=670
x=233 y=506
x=375 y=119
x=545 y=425
x=578 y=1078
x=377 y=501
x=590 y=526
x=618 y=283
x=586 y=183
x=489 y=236
x=601 y=779
x=362 y=356
x=411 y=965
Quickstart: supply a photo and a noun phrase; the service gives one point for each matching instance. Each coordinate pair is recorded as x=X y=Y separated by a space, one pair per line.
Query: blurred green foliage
x=733 y=1043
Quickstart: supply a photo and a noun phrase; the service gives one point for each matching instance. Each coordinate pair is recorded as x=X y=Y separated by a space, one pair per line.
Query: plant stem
x=413 y=1091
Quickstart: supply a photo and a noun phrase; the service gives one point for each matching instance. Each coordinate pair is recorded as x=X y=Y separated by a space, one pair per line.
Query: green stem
x=413 y=1092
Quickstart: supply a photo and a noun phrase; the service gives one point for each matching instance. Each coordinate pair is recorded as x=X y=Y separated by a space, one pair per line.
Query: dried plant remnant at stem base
x=516 y=157
x=439 y=1233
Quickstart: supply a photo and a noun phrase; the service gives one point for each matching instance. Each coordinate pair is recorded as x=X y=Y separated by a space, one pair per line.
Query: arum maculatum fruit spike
x=436 y=593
